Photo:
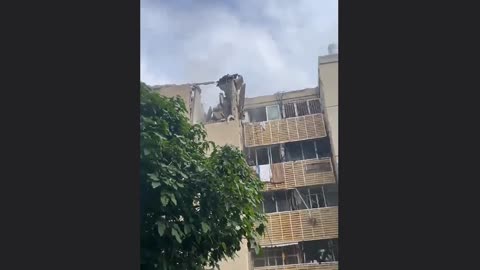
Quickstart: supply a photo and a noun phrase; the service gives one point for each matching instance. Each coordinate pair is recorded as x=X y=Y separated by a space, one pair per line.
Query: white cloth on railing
x=265 y=173
x=263 y=125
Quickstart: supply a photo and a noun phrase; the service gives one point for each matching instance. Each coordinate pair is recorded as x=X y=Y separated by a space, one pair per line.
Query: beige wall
x=198 y=114
x=332 y=114
x=225 y=133
x=184 y=91
x=328 y=75
x=240 y=262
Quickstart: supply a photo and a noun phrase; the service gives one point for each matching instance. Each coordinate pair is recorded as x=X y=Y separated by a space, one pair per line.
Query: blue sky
x=274 y=44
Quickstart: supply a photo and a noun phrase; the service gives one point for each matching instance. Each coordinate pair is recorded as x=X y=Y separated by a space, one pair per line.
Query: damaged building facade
x=291 y=140
x=286 y=141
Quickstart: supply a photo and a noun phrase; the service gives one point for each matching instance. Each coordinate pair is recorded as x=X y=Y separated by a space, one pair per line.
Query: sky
x=273 y=44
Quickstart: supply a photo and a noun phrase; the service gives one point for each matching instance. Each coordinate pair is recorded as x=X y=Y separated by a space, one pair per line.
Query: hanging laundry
x=265 y=173
x=263 y=125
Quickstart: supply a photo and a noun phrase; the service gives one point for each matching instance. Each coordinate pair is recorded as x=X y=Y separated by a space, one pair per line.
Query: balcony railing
x=301 y=173
x=285 y=130
x=302 y=266
x=301 y=225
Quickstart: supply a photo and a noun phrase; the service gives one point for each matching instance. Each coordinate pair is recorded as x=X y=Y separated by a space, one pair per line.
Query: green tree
x=195 y=207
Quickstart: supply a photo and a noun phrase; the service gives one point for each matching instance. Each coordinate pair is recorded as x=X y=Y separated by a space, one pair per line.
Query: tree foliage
x=195 y=208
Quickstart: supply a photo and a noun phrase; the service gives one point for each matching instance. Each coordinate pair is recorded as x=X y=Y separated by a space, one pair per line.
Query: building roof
x=328 y=59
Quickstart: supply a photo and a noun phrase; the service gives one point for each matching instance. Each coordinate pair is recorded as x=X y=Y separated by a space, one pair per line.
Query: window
x=257 y=114
x=308 y=148
x=262 y=156
x=251 y=157
x=275 y=256
x=331 y=194
x=276 y=202
x=282 y=202
x=262 y=114
x=301 y=108
x=323 y=147
x=333 y=246
x=316 y=197
x=320 y=251
x=314 y=106
x=291 y=254
x=293 y=151
x=269 y=204
x=258 y=261
x=275 y=150
x=273 y=112
x=290 y=110
x=298 y=199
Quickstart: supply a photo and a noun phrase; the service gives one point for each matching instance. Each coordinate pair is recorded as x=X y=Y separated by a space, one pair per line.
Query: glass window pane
x=314 y=106
x=273 y=112
x=323 y=147
x=308 y=148
x=289 y=110
x=293 y=151
x=282 y=203
x=317 y=197
x=292 y=259
x=299 y=200
x=333 y=245
x=257 y=114
x=276 y=154
x=262 y=156
x=250 y=153
x=302 y=108
x=331 y=194
x=269 y=203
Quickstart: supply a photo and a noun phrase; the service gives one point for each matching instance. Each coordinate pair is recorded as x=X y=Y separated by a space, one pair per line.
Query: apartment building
x=291 y=140
x=287 y=142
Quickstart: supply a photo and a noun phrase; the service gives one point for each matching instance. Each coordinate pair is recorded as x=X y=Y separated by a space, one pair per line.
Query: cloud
x=274 y=44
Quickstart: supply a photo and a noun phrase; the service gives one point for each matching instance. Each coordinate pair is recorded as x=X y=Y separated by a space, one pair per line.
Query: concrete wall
x=184 y=91
x=225 y=133
x=198 y=114
x=190 y=95
x=328 y=75
x=241 y=262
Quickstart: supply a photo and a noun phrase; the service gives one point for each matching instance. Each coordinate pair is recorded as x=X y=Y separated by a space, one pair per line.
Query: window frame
x=321 y=199
x=279 y=112
x=271 y=253
x=308 y=106
x=269 y=153
x=303 y=153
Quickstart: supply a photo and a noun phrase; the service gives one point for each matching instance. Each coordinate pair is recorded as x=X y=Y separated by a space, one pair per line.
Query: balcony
x=301 y=225
x=284 y=130
x=301 y=173
x=302 y=266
